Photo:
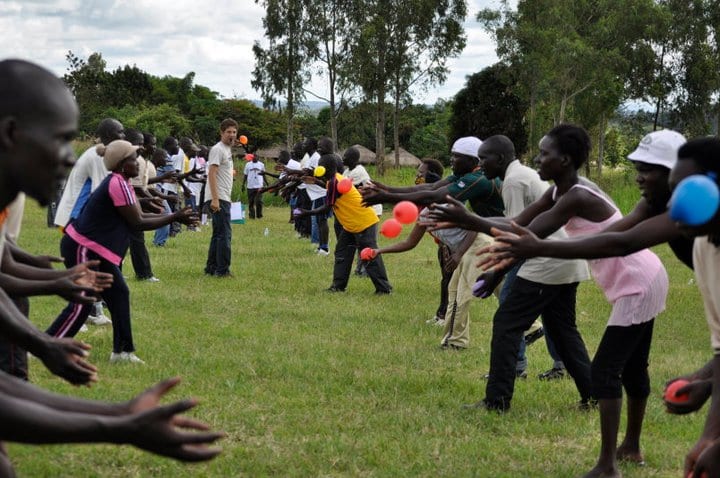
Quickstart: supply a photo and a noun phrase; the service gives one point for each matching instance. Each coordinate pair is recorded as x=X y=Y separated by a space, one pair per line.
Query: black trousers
x=524 y=303
x=139 y=255
x=255 y=204
x=347 y=244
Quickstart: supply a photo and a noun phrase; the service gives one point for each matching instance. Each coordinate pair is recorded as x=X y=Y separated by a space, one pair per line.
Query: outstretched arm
x=412 y=240
x=149 y=426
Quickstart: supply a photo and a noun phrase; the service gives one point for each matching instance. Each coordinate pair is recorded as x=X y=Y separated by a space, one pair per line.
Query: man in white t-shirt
x=254 y=180
x=217 y=193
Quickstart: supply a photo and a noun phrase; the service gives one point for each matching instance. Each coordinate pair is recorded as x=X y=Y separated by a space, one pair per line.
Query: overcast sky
x=213 y=38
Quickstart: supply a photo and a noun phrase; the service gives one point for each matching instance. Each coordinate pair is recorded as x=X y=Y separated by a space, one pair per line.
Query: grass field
x=307 y=383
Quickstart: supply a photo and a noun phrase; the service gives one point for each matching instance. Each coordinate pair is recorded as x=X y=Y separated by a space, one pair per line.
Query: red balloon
x=249 y=157
x=671 y=392
x=345 y=185
x=391 y=228
x=367 y=254
x=405 y=212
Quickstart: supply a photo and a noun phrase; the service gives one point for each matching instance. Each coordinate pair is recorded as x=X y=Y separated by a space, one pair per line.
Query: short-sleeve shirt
x=482 y=193
x=348 y=207
x=706 y=258
x=221 y=156
x=252 y=171
x=87 y=174
x=100 y=227
x=141 y=180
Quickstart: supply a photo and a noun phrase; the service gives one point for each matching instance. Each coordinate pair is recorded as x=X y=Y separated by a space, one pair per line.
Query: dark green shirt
x=483 y=194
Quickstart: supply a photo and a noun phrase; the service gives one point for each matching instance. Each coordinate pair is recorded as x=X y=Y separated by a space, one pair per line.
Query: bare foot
x=628 y=455
x=603 y=472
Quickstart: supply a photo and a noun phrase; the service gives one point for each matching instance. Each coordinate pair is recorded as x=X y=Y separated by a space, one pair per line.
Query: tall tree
x=327 y=47
x=281 y=67
x=424 y=35
x=396 y=43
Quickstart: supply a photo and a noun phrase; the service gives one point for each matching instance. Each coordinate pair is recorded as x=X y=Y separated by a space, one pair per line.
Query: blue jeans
x=218 y=261
x=162 y=233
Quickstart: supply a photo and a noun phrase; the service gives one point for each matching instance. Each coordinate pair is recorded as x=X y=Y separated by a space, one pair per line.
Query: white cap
x=468 y=146
x=659 y=147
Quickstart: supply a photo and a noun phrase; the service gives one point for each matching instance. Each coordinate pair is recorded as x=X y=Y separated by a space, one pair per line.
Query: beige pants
x=457 y=317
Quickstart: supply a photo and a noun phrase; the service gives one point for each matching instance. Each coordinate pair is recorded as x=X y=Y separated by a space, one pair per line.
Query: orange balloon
x=391 y=228
x=345 y=185
x=242 y=139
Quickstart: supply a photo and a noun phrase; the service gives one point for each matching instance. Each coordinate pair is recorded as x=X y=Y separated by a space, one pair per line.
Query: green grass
x=311 y=384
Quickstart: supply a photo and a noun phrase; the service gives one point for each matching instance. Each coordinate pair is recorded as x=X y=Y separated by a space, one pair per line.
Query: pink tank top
x=616 y=276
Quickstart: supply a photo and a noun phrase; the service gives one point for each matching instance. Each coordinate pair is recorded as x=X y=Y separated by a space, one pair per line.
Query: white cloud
x=213 y=38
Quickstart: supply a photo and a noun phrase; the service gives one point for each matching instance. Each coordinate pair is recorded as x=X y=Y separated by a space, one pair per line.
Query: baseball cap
x=659 y=147
x=469 y=146
x=186 y=143
x=115 y=152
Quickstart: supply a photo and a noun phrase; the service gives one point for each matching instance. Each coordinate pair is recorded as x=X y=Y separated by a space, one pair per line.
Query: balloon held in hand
x=391 y=228
x=695 y=200
x=405 y=212
x=671 y=390
x=344 y=186
x=367 y=254
x=319 y=171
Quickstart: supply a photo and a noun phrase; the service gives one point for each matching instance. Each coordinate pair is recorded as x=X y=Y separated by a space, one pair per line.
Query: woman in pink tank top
x=635 y=284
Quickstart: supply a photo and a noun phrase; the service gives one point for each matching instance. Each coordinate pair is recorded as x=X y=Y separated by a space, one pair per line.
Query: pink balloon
x=391 y=228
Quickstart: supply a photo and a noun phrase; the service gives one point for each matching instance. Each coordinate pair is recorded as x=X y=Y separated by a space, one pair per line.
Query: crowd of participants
x=522 y=239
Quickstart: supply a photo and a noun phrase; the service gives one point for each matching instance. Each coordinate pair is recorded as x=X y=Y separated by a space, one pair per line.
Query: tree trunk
x=601 y=144
x=290 y=110
x=563 y=105
x=658 y=105
x=380 y=132
x=396 y=128
x=531 y=122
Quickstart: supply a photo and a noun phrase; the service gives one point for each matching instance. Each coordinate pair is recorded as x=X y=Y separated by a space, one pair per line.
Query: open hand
x=66 y=358
x=187 y=216
x=157 y=430
x=453 y=213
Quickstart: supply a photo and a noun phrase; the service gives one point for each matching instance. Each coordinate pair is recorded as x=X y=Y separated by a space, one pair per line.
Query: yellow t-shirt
x=348 y=208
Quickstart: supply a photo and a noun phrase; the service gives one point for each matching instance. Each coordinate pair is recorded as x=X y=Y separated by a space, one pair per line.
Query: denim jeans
x=162 y=233
x=218 y=261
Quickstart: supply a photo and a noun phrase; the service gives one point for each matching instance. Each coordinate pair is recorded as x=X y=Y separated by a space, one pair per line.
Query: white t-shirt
x=252 y=171
x=88 y=166
x=314 y=191
x=196 y=187
x=220 y=156
x=360 y=176
x=521 y=187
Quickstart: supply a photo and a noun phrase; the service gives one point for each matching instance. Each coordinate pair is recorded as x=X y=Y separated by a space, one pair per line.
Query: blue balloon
x=695 y=200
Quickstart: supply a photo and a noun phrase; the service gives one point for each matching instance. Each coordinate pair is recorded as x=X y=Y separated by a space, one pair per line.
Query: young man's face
x=42 y=153
x=228 y=136
x=490 y=162
x=172 y=148
x=150 y=146
x=462 y=164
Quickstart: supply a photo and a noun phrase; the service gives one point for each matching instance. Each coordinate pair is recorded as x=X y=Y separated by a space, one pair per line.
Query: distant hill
x=312 y=106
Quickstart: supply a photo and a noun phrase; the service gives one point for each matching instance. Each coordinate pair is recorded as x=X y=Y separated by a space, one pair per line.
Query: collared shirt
x=482 y=193
x=522 y=186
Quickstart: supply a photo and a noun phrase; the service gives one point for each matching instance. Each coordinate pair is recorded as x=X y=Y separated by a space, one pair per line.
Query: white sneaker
x=101 y=319
x=84 y=328
x=129 y=357
x=323 y=252
x=152 y=279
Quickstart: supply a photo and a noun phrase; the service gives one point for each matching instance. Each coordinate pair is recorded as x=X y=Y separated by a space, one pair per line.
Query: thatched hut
x=406 y=159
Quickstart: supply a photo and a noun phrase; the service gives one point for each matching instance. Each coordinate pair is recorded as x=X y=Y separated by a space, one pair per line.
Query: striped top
x=100 y=227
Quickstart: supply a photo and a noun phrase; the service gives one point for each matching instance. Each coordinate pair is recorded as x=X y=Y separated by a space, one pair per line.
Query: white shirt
x=196 y=187
x=88 y=166
x=220 y=156
x=706 y=259
x=252 y=171
x=314 y=191
x=521 y=187
x=360 y=176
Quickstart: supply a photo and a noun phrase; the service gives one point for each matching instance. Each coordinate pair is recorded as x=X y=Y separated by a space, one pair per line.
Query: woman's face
x=652 y=180
x=549 y=161
x=129 y=166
